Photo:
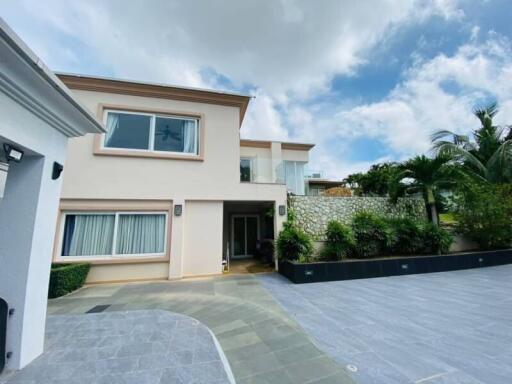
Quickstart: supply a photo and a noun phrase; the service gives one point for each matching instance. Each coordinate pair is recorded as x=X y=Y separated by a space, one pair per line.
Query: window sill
x=145 y=154
x=128 y=260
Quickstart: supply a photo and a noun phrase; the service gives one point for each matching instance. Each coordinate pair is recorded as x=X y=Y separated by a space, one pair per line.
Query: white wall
x=27 y=224
x=203 y=238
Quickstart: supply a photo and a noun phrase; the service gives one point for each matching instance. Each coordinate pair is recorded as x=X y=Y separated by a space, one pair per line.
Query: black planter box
x=364 y=269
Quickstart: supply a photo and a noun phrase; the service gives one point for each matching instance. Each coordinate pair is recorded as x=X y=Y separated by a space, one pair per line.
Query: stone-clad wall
x=313 y=213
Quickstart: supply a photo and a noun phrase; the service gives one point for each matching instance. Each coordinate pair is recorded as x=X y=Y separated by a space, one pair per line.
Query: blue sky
x=366 y=81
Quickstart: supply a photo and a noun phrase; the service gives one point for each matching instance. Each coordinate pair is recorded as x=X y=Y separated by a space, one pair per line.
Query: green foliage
x=406 y=237
x=484 y=214
x=266 y=251
x=339 y=241
x=375 y=182
x=371 y=233
x=488 y=156
x=294 y=244
x=65 y=278
x=436 y=240
x=427 y=176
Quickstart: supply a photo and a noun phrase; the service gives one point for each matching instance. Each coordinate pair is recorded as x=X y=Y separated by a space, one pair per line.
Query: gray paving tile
x=133 y=357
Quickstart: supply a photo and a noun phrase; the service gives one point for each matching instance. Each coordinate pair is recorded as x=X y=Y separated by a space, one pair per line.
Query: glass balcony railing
x=265 y=170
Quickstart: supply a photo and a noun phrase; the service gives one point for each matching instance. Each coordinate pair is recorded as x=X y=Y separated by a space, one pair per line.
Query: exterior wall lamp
x=178 y=210
x=12 y=153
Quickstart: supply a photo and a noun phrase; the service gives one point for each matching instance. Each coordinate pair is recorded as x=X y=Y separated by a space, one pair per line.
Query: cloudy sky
x=367 y=81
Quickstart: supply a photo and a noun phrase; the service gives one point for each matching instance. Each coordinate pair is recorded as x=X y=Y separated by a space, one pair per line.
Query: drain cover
x=98 y=308
x=351 y=368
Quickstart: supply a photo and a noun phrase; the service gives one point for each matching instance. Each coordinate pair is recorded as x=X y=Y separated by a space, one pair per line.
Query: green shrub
x=484 y=214
x=266 y=251
x=339 y=242
x=294 y=244
x=65 y=278
x=406 y=237
x=436 y=240
x=371 y=234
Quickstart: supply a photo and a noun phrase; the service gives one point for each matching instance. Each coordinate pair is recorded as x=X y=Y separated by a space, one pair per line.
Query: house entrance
x=245 y=235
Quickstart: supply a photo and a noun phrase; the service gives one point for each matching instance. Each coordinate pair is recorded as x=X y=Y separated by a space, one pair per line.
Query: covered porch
x=249 y=230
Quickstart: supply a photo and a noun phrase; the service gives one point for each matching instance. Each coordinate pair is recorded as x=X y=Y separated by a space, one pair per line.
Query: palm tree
x=488 y=157
x=427 y=176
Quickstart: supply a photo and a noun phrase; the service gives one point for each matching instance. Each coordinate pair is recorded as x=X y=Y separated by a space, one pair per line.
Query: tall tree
x=375 y=182
x=488 y=156
x=427 y=176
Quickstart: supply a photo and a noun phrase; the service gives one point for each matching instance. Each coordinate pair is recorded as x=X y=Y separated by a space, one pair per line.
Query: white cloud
x=290 y=46
x=286 y=51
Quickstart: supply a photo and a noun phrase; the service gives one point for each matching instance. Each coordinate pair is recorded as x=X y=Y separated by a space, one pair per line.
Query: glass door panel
x=238 y=236
x=251 y=225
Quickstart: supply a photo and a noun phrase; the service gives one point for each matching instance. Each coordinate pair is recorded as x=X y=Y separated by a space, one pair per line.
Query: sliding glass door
x=245 y=233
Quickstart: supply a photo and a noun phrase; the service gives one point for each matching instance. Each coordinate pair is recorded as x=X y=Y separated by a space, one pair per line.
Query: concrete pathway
x=262 y=343
x=441 y=328
x=139 y=347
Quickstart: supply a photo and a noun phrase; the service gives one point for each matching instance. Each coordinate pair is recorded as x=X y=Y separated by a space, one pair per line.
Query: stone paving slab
x=143 y=347
x=262 y=343
x=439 y=328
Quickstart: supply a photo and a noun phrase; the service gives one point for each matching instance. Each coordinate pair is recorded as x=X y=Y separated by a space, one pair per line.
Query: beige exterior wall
x=217 y=177
x=266 y=161
x=200 y=186
x=127 y=272
x=203 y=238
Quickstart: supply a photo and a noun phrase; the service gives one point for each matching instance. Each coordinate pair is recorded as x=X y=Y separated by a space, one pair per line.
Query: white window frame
x=113 y=255
x=152 y=127
x=251 y=169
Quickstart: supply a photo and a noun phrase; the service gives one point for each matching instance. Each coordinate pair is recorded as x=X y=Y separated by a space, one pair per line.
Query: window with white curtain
x=151 y=132
x=116 y=234
x=294 y=177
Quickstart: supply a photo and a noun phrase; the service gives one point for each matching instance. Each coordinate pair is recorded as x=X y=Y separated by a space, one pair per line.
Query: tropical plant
x=294 y=244
x=339 y=241
x=488 y=156
x=427 y=176
x=375 y=182
x=484 y=214
x=406 y=236
x=371 y=234
x=435 y=239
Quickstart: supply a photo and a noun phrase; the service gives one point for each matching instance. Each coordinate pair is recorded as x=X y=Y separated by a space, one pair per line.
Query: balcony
x=266 y=171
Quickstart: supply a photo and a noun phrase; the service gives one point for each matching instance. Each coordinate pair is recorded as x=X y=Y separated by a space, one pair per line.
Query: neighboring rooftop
x=284 y=144
x=164 y=91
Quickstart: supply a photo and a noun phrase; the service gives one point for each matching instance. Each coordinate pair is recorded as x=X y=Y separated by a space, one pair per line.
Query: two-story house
x=170 y=190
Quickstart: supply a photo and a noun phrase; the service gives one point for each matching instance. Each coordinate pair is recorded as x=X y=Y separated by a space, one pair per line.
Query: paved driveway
x=262 y=343
x=441 y=328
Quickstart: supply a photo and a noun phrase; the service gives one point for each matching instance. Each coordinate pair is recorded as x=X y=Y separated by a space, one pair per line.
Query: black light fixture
x=12 y=153
x=178 y=210
x=282 y=210
x=57 y=170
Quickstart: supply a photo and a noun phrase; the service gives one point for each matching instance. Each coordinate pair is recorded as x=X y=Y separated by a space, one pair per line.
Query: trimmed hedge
x=65 y=278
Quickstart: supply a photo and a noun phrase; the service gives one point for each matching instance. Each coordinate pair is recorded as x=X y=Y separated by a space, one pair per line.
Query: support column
x=177 y=233
x=28 y=213
x=278 y=226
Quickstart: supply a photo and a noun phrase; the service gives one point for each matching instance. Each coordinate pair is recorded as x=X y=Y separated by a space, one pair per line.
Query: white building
x=170 y=190
x=37 y=116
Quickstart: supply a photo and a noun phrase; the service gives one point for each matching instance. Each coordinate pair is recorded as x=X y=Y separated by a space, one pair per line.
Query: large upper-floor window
x=294 y=177
x=151 y=132
x=103 y=235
